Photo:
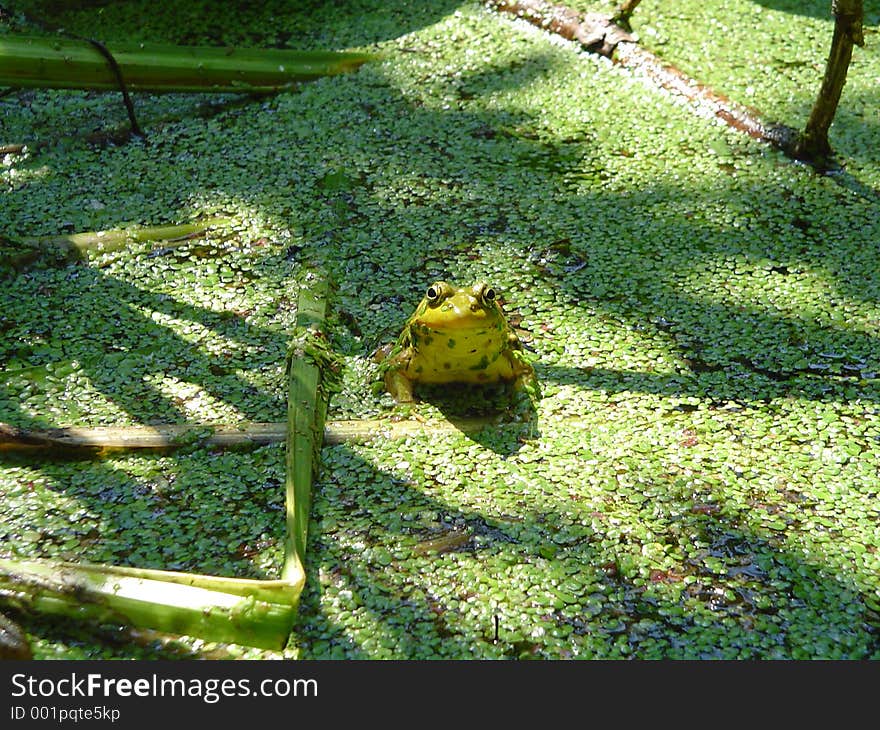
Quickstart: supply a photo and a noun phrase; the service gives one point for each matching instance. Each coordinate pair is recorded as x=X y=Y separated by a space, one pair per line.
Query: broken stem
x=174 y=436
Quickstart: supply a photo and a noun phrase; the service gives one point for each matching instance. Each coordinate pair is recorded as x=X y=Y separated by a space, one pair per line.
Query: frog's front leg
x=524 y=382
x=528 y=383
x=392 y=361
x=397 y=384
x=525 y=379
x=400 y=387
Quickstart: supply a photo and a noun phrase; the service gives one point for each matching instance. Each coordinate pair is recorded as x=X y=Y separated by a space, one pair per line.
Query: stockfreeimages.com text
x=209 y=690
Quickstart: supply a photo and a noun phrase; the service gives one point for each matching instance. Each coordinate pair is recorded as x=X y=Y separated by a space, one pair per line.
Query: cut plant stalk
x=310 y=370
x=14 y=643
x=17 y=252
x=114 y=239
x=67 y=63
x=243 y=611
x=235 y=610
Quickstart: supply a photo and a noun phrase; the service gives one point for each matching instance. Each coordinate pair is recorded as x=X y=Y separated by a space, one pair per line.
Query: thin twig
x=117 y=72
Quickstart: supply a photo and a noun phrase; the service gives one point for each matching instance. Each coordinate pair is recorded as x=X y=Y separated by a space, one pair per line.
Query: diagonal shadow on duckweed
x=131 y=347
x=726 y=284
x=197 y=511
x=557 y=577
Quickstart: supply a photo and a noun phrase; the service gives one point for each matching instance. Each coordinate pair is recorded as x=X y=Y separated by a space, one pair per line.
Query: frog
x=456 y=335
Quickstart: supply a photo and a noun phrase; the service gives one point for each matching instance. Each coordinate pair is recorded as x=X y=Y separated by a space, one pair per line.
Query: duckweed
x=698 y=480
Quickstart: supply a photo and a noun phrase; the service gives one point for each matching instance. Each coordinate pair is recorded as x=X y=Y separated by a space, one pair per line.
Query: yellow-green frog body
x=455 y=335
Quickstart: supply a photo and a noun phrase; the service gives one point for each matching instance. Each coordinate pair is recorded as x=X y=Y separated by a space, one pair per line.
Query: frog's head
x=447 y=307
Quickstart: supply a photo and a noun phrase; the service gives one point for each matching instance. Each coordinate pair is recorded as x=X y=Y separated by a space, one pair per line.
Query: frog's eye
x=435 y=292
x=485 y=292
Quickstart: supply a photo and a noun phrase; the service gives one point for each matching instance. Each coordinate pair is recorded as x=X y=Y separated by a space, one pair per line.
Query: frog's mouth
x=451 y=317
x=459 y=324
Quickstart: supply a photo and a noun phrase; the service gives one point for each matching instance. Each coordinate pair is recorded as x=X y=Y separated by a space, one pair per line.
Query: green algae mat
x=700 y=476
